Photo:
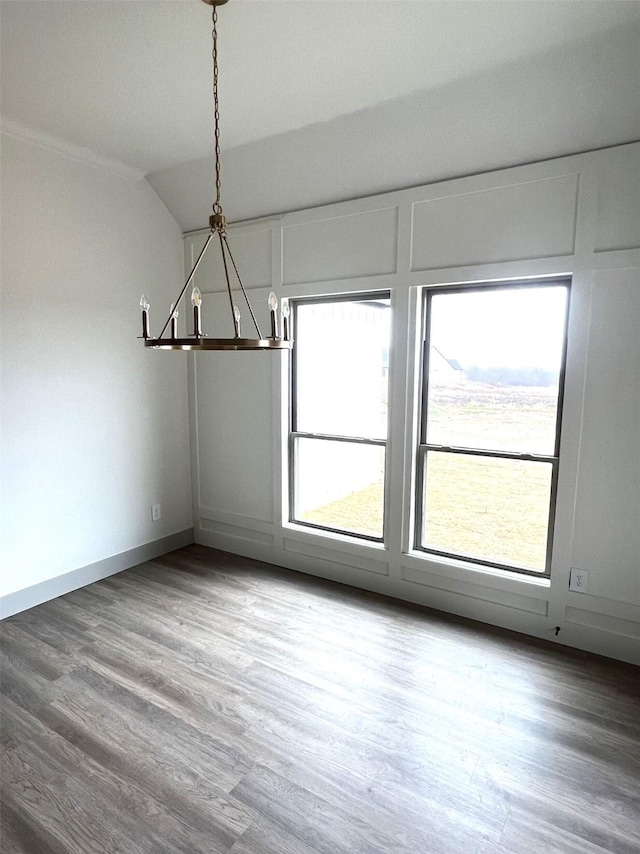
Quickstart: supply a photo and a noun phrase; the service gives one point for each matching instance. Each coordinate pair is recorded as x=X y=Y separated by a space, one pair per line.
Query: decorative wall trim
x=330 y=556
x=18 y=130
x=21 y=600
x=604 y=622
x=299 y=533
x=475 y=591
x=237 y=531
x=237 y=545
x=210 y=514
x=362 y=244
x=425 y=565
x=603 y=605
x=515 y=222
x=555 y=214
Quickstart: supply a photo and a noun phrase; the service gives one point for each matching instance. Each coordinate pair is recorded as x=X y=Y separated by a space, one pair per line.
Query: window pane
x=494 y=368
x=342 y=360
x=340 y=485
x=487 y=508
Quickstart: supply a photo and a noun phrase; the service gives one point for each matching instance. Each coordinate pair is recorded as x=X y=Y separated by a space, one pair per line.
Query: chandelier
x=198 y=340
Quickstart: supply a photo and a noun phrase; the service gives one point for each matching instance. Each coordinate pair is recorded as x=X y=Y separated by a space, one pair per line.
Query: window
x=338 y=433
x=492 y=377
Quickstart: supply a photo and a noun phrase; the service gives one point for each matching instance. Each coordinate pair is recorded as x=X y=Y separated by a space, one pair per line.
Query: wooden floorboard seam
x=204 y=702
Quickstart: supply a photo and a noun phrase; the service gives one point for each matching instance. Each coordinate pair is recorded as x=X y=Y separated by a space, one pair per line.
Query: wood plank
x=207 y=702
x=123 y=801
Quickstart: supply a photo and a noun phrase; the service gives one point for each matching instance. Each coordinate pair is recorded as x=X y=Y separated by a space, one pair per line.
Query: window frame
x=295 y=435
x=423 y=447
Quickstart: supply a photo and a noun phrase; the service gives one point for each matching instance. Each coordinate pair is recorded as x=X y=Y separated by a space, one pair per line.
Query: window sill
x=330 y=538
x=465 y=570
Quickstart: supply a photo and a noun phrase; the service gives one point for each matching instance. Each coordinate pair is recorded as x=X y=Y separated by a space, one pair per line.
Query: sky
x=517 y=328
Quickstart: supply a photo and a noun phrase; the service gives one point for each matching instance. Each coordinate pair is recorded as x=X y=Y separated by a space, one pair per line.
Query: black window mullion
x=483 y=452
x=425 y=368
x=420 y=492
x=561 y=380
x=555 y=465
x=521 y=570
x=329 y=437
x=293 y=402
x=292 y=475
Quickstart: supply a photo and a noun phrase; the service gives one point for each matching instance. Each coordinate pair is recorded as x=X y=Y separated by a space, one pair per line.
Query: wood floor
x=208 y=703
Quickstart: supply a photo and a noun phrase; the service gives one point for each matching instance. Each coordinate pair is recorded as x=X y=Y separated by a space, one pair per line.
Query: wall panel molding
x=618 y=201
x=576 y=216
x=239 y=532
x=212 y=514
x=511 y=223
x=469 y=590
x=367 y=564
x=341 y=247
x=235 y=525
x=604 y=622
x=606 y=606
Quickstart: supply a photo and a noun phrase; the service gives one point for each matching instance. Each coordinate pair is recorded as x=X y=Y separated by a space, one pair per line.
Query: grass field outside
x=490 y=509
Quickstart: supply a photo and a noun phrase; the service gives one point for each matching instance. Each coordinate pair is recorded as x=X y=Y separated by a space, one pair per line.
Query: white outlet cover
x=578 y=580
x=155 y=512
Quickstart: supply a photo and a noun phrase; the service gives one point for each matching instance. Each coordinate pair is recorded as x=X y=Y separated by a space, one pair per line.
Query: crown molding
x=25 y=133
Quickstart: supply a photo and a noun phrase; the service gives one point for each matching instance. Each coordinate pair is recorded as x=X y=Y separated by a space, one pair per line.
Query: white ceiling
x=131 y=79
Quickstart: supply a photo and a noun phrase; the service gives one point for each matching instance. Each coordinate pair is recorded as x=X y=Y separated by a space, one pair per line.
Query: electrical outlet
x=156 y=512
x=578 y=580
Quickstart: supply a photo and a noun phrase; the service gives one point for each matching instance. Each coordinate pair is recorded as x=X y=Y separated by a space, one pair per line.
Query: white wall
x=576 y=215
x=94 y=427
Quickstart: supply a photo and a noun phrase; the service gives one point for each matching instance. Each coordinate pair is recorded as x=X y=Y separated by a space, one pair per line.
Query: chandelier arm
x=244 y=293
x=188 y=282
x=226 y=275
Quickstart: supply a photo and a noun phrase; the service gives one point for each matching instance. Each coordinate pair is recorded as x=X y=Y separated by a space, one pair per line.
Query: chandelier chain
x=217 y=208
x=198 y=340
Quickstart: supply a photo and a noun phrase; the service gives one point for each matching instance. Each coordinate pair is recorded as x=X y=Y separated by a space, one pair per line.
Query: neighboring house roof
x=455 y=365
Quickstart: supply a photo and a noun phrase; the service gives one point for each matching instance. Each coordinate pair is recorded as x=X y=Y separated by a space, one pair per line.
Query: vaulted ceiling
x=131 y=79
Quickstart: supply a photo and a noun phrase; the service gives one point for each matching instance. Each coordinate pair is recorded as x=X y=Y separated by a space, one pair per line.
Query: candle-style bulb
x=144 y=305
x=196 y=299
x=174 y=321
x=236 y=320
x=273 y=305
x=174 y=311
x=285 y=319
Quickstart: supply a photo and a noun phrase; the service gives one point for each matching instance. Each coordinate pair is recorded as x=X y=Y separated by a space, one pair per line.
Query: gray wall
x=95 y=428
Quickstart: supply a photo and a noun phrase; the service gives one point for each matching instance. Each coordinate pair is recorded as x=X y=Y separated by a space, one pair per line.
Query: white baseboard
x=22 y=600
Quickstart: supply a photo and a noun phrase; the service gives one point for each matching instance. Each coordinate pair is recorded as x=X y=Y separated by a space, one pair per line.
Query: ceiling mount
x=199 y=340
